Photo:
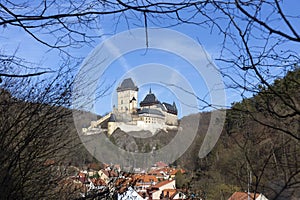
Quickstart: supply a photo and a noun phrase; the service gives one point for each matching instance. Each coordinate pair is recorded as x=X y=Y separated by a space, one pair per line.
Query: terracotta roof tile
x=158 y=185
x=98 y=182
x=242 y=196
x=171 y=192
x=161 y=164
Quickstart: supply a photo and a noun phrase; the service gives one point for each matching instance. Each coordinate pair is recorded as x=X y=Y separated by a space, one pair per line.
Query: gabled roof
x=161 y=164
x=243 y=196
x=165 y=171
x=98 y=182
x=181 y=195
x=149 y=100
x=127 y=84
x=130 y=193
x=169 y=192
x=145 y=179
x=103 y=171
x=162 y=183
x=171 y=108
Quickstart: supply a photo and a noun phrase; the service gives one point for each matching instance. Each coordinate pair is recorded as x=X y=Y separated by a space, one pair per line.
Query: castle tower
x=127 y=96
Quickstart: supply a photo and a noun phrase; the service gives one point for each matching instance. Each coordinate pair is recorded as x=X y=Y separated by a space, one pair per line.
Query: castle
x=152 y=115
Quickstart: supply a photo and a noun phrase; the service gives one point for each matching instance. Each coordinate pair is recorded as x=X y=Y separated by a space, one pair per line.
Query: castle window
x=121 y=101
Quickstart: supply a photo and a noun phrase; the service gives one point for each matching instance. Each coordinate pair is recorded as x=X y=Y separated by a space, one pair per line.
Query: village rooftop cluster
x=157 y=183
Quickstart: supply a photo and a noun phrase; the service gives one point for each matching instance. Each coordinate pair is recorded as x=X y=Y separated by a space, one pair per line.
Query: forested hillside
x=38 y=141
x=259 y=146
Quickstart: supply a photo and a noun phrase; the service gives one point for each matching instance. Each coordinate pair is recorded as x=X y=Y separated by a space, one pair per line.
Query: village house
x=172 y=194
x=246 y=196
x=144 y=181
x=156 y=191
x=142 y=186
x=104 y=175
x=130 y=194
x=165 y=173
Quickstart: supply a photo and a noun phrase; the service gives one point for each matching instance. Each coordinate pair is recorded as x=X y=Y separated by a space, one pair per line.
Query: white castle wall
x=124 y=98
x=140 y=126
x=171 y=119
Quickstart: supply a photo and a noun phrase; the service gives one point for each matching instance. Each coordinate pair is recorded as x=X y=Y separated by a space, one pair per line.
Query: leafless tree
x=256 y=34
x=260 y=44
x=37 y=135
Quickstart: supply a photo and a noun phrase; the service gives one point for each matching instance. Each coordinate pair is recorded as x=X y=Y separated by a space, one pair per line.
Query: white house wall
x=170 y=185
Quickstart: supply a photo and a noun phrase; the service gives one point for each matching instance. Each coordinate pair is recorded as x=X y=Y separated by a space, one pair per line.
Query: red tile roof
x=170 y=191
x=146 y=178
x=98 y=182
x=161 y=164
x=143 y=194
x=242 y=196
x=81 y=174
x=158 y=185
x=94 y=166
x=105 y=172
x=173 y=172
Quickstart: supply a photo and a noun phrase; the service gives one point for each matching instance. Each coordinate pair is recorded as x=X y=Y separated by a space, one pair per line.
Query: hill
x=259 y=145
x=38 y=140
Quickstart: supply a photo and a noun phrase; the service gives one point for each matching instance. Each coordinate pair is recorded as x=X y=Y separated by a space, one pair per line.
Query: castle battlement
x=151 y=115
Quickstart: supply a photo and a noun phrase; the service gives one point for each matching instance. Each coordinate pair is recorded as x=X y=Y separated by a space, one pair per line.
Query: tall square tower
x=127 y=96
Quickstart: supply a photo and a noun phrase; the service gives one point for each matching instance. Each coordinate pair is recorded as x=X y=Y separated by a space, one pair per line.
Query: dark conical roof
x=112 y=118
x=127 y=84
x=149 y=100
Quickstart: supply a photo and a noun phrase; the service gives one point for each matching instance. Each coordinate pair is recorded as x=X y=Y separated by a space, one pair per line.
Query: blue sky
x=149 y=70
x=119 y=69
x=175 y=67
x=15 y=39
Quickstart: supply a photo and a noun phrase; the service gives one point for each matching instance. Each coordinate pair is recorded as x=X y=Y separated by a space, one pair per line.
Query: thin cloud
x=115 y=52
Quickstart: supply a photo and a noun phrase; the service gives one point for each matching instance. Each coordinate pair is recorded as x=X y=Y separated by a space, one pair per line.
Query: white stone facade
x=152 y=115
x=125 y=102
